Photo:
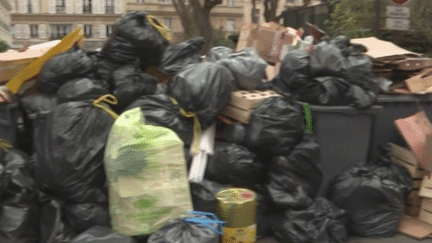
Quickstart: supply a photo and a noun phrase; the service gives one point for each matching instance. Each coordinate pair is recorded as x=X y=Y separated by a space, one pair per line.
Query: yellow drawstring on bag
x=108 y=98
x=196 y=126
x=5 y=145
x=162 y=29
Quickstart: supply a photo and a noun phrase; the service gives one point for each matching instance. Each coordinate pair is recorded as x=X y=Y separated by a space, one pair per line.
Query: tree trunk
x=202 y=19
x=253 y=11
x=185 y=14
x=270 y=7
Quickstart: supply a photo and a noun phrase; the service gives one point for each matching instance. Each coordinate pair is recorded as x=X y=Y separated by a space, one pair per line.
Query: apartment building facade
x=37 y=21
x=227 y=16
x=5 y=21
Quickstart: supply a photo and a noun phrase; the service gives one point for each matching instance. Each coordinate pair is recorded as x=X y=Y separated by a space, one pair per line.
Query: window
x=109 y=30
x=59 y=31
x=29 y=6
x=230 y=25
x=87 y=6
x=230 y=3
x=109 y=6
x=168 y=22
x=140 y=1
x=34 y=30
x=87 y=31
x=256 y=16
x=60 y=6
x=163 y=1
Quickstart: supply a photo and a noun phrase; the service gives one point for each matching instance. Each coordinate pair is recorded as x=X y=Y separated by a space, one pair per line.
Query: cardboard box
x=414 y=199
x=12 y=62
x=267 y=40
x=417 y=183
x=272 y=71
x=412 y=210
x=406 y=158
x=426 y=211
x=415 y=228
x=421 y=83
x=32 y=70
x=417 y=132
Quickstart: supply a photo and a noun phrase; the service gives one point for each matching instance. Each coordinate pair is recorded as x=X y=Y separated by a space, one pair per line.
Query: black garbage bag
x=327 y=60
x=54 y=228
x=177 y=57
x=359 y=71
x=101 y=234
x=134 y=36
x=121 y=50
x=82 y=89
x=218 y=53
x=83 y=216
x=322 y=222
x=248 y=68
x=179 y=231
x=19 y=218
x=75 y=63
x=329 y=90
x=263 y=213
x=343 y=43
x=105 y=68
x=295 y=69
x=235 y=165
x=276 y=125
x=204 y=195
x=204 y=88
x=70 y=143
x=159 y=110
x=37 y=103
x=161 y=89
x=373 y=195
x=235 y=133
x=131 y=83
x=295 y=179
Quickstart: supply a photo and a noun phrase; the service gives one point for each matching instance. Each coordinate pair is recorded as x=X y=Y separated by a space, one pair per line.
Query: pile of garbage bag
x=113 y=145
x=333 y=73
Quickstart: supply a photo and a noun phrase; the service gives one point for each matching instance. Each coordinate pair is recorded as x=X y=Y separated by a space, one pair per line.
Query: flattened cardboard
x=380 y=49
x=417 y=132
x=415 y=228
x=420 y=83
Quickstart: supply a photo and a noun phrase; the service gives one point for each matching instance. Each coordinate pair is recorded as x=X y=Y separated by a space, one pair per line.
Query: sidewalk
x=396 y=239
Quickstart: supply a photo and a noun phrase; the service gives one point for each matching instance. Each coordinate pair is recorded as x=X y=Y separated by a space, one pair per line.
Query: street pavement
x=397 y=239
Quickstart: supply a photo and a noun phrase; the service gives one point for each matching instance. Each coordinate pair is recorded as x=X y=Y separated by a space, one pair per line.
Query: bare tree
x=195 y=17
x=185 y=12
x=201 y=13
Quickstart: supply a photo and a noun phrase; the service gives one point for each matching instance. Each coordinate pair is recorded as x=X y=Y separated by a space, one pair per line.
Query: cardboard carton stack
x=403 y=67
x=417 y=132
x=271 y=40
x=406 y=158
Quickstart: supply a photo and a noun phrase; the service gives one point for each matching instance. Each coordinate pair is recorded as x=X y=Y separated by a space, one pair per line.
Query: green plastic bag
x=146 y=169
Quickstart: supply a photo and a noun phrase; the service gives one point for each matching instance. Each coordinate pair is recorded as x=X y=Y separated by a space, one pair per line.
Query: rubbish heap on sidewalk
x=149 y=142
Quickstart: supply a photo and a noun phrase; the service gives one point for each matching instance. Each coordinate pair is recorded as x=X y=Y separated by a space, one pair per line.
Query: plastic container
x=343 y=134
x=9 y=114
x=395 y=107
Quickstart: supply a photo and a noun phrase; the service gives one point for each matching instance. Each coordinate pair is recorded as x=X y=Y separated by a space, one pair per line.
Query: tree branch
x=209 y=4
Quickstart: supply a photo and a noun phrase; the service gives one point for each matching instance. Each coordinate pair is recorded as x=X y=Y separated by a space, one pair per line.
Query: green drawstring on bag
x=308 y=117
